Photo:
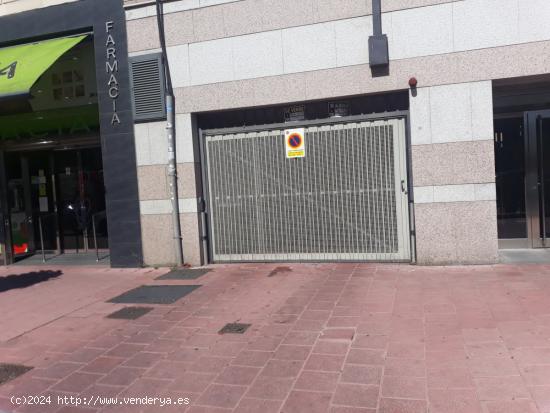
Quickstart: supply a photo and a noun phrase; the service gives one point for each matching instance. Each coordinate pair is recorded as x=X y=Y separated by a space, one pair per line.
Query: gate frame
x=204 y=224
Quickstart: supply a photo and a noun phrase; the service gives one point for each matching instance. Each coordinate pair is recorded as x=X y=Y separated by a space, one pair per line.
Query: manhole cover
x=234 y=328
x=154 y=294
x=130 y=313
x=11 y=371
x=184 y=274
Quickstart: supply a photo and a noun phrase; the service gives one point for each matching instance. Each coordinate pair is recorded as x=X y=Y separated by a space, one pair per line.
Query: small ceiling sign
x=295 y=113
x=338 y=109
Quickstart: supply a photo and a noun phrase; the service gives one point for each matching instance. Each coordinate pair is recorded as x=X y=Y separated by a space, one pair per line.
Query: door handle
x=403 y=187
x=202 y=205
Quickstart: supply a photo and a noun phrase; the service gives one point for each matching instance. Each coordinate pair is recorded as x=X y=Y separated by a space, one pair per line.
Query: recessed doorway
x=522 y=156
x=56 y=202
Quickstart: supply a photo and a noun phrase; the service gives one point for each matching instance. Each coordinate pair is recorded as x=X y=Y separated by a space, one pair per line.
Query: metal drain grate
x=130 y=313
x=234 y=328
x=184 y=274
x=11 y=371
x=279 y=270
x=154 y=294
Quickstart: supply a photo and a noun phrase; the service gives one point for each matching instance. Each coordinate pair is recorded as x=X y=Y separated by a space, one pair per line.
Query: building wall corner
x=453 y=172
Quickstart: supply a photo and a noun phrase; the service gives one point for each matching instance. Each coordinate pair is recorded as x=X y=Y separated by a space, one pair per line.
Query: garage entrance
x=346 y=199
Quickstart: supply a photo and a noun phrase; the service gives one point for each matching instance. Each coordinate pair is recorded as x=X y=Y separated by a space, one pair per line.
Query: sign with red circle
x=294 y=139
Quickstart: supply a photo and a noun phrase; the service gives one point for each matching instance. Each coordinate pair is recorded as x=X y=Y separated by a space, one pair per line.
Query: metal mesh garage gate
x=345 y=200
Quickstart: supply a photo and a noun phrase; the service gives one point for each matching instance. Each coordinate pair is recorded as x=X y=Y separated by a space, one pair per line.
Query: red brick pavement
x=339 y=338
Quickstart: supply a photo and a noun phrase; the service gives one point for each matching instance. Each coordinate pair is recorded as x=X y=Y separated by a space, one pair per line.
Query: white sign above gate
x=295 y=113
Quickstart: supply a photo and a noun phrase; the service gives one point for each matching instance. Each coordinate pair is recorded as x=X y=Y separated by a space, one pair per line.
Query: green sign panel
x=21 y=66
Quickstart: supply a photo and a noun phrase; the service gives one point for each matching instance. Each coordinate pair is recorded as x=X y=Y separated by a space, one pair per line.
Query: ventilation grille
x=147 y=87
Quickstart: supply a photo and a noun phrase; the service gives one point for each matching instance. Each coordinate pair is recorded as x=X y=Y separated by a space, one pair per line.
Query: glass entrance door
x=19 y=205
x=81 y=199
x=31 y=203
x=510 y=181
x=537 y=177
x=52 y=200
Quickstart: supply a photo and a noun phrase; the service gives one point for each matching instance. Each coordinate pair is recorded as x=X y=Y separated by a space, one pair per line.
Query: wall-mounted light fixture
x=378 y=42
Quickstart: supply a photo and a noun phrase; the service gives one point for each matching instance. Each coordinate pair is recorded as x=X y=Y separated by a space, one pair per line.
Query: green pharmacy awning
x=21 y=66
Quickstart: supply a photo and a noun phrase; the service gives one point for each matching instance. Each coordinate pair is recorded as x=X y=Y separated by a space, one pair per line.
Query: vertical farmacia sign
x=111 y=67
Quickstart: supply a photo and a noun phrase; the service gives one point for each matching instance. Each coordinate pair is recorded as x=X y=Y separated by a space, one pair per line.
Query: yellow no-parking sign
x=295 y=143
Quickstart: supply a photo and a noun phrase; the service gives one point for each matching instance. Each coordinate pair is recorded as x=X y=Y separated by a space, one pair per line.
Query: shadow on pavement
x=26 y=279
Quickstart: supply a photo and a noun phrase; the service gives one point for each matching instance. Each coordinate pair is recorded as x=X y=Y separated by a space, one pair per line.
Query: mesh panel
x=342 y=201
